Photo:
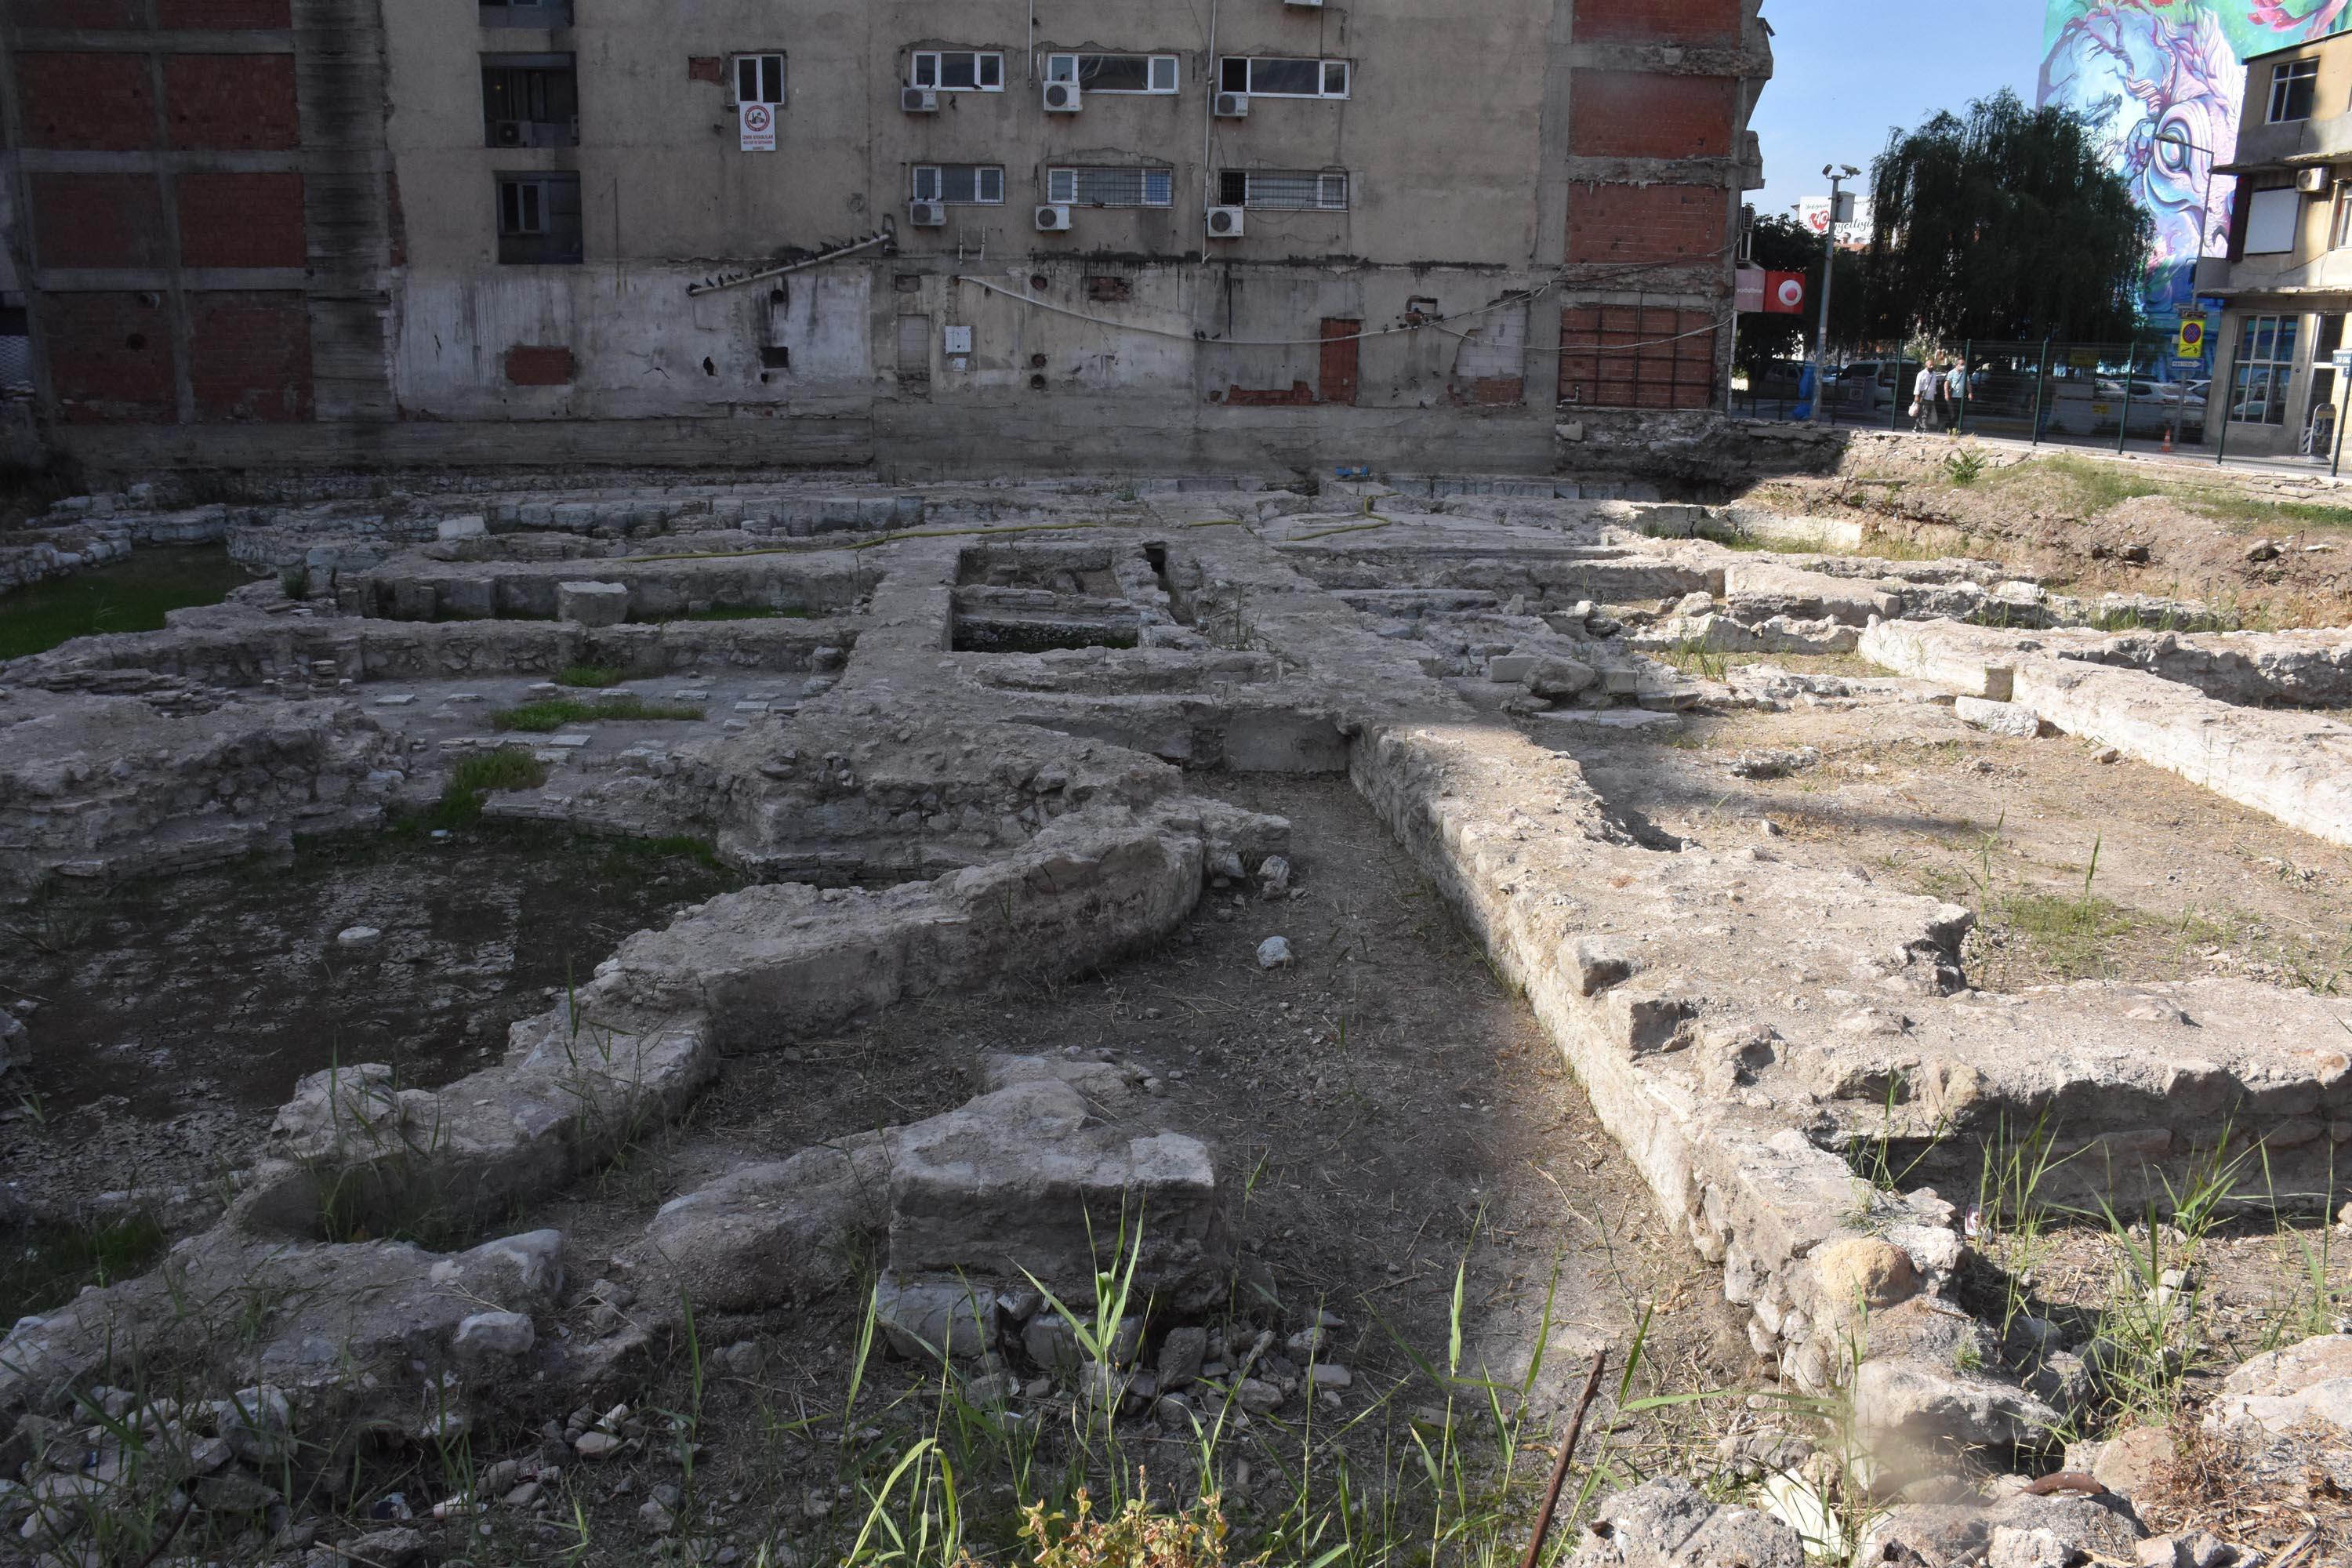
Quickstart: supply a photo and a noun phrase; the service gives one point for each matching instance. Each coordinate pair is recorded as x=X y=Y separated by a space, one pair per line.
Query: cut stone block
x=592 y=604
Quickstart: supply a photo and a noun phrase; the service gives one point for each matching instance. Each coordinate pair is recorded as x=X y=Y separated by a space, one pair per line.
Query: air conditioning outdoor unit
x=2311 y=182
x=1064 y=98
x=511 y=132
x=1052 y=219
x=926 y=215
x=1225 y=222
x=920 y=99
x=1233 y=106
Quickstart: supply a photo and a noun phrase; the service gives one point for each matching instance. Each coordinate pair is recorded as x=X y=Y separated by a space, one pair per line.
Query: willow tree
x=2003 y=224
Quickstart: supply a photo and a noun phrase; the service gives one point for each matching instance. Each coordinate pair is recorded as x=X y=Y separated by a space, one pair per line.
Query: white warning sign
x=758 y=128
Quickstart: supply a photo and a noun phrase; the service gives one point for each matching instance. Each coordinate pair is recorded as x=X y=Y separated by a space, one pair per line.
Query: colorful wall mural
x=2159 y=80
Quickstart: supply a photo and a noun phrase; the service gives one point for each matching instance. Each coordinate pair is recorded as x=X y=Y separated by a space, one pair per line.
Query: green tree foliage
x=1779 y=243
x=2005 y=224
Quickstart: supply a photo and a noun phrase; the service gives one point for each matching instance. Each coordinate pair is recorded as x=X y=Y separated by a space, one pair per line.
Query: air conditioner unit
x=920 y=99
x=926 y=215
x=1225 y=222
x=1052 y=219
x=2311 y=182
x=511 y=132
x=1064 y=98
x=1233 y=106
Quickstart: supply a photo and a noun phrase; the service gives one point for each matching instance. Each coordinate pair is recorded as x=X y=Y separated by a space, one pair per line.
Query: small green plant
x=555 y=713
x=508 y=768
x=294 y=582
x=592 y=676
x=1965 y=467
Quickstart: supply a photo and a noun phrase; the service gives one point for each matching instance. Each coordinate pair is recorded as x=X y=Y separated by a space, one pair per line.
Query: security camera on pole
x=1840 y=211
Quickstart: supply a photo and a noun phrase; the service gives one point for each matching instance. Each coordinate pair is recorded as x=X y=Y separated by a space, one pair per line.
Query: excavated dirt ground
x=2081 y=521
x=175 y=1012
x=1384 y=1111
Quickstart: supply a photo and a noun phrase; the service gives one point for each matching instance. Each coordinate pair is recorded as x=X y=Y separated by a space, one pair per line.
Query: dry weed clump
x=1133 y=1537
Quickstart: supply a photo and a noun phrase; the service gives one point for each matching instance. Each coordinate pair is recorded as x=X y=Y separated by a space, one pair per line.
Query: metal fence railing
x=2124 y=396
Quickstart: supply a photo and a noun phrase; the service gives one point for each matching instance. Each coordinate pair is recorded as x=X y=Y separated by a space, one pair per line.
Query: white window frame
x=916 y=70
x=928 y=183
x=2284 y=76
x=1061 y=185
x=512 y=189
x=2274 y=372
x=1164 y=72
x=758 y=62
x=1324 y=68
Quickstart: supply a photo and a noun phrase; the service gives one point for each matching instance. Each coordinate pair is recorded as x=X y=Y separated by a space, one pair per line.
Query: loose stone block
x=592 y=604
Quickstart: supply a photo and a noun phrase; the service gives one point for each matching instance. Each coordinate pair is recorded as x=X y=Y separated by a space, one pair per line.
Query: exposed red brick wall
x=98 y=220
x=1297 y=395
x=1661 y=21
x=1494 y=392
x=110 y=357
x=249 y=356
x=99 y=102
x=539 y=365
x=1643 y=114
x=707 y=68
x=224 y=13
x=78 y=12
x=241 y=220
x=231 y=102
x=1626 y=356
x=1646 y=223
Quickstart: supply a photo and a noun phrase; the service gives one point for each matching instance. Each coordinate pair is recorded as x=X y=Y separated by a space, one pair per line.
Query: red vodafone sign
x=1784 y=293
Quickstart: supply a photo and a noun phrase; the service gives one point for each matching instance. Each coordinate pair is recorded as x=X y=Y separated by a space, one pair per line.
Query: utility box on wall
x=958 y=341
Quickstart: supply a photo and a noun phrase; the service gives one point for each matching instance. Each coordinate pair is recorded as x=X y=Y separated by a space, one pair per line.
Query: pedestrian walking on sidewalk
x=1955 y=392
x=1922 y=400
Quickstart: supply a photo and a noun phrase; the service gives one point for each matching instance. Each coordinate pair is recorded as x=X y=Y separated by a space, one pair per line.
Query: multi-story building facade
x=942 y=236
x=2287 y=279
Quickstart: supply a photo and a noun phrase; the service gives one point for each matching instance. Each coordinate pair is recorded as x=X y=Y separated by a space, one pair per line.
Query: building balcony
x=2291 y=142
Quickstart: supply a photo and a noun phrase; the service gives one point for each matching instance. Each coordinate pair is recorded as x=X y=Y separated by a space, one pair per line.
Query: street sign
x=758 y=128
x=2192 y=339
x=2344 y=362
x=1747 y=290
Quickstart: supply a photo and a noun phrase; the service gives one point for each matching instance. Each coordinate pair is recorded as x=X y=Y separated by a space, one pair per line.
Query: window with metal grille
x=2263 y=369
x=1110 y=187
x=759 y=79
x=1115 y=73
x=526 y=12
x=1637 y=356
x=2294 y=85
x=538 y=219
x=1278 y=191
x=529 y=100
x=960 y=185
x=959 y=71
x=1279 y=77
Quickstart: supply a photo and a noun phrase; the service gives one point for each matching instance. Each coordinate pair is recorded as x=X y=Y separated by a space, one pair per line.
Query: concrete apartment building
x=2288 y=275
x=402 y=232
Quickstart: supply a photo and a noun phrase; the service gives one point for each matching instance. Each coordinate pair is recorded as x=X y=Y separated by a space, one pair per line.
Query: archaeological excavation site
x=788 y=1020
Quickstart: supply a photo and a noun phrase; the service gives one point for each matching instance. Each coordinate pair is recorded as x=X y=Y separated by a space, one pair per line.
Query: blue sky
x=1847 y=70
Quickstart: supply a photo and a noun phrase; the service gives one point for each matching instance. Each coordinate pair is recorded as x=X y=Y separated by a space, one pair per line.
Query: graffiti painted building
x=2161 y=80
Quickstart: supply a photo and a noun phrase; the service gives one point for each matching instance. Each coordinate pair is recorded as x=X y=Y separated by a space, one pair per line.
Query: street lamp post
x=1837 y=174
x=2204 y=220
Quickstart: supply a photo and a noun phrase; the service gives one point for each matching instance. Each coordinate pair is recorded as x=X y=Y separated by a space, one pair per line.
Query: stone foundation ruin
x=965 y=734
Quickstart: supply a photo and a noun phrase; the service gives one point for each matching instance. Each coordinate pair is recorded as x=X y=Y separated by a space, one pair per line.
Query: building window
x=2273 y=219
x=1115 y=73
x=1110 y=187
x=2339 y=221
x=1274 y=78
x=759 y=79
x=959 y=71
x=2293 y=85
x=1276 y=191
x=2264 y=365
x=531 y=100
x=960 y=185
x=538 y=219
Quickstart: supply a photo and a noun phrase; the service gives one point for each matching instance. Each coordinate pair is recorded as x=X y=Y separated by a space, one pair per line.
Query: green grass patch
x=2069 y=934
x=2246 y=513
x=593 y=676
x=130 y=597
x=508 y=768
x=546 y=718
x=2093 y=486
x=47 y=1265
